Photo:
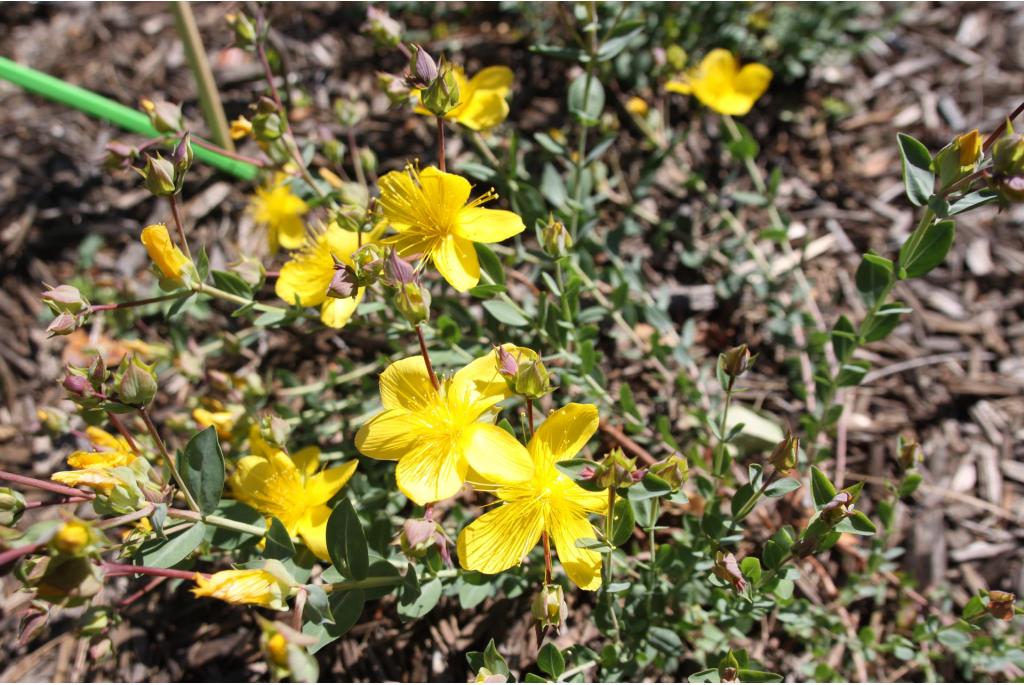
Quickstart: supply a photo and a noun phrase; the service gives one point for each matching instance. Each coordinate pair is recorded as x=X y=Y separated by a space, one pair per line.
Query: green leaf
x=552 y=187
x=493 y=660
x=781 y=487
x=505 y=313
x=346 y=541
x=926 y=248
x=852 y=373
x=822 y=490
x=279 y=542
x=649 y=488
x=623 y=522
x=844 y=338
x=421 y=604
x=233 y=283
x=773 y=554
x=974 y=608
x=751 y=568
x=487 y=290
x=743 y=495
x=202 y=469
x=874 y=277
x=203 y=263
x=170 y=553
x=918 y=178
x=489 y=263
x=345 y=609
x=611 y=48
x=550 y=660
x=886 y=319
x=708 y=675
x=857 y=523
x=664 y=640
x=746 y=675
x=586 y=100
x=978 y=198
x=910 y=484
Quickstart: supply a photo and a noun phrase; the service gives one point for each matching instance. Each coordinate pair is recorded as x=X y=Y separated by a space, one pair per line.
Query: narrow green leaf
x=489 y=263
x=781 y=487
x=873 y=277
x=202 y=469
x=887 y=318
x=623 y=522
x=844 y=338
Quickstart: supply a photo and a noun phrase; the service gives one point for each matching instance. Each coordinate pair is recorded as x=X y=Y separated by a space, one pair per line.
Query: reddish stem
x=135 y=596
x=111 y=569
x=440 y=144
x=426 y=358
x=132 y=303
x=228 y=153
x=36 y=504
x=547 y=558
x=529 y=414
x=116 y=422
x=994 y=136
x=18 y=552
x=44 y=485
x=176 y=212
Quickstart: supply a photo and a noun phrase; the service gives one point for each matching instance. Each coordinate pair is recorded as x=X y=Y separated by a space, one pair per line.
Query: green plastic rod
x=105 y=108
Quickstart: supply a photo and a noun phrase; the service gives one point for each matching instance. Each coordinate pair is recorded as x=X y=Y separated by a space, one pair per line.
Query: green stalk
x=103 y=108
x=206 y=87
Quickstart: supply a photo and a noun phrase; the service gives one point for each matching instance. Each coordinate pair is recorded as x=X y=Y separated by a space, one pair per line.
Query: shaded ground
x=953 y=375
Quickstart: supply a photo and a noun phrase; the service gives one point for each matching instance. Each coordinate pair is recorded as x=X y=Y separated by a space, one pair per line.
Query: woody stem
x=440 y=144
x=547 y=558
x=426 y=358
x=176 y=213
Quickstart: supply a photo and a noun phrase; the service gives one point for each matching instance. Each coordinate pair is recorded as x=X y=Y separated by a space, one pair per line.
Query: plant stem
x=136 y=303
x=994 y=136
x=357 y=164
x=151 y=427
x=110 y=569
x=440 y=145
x=205 y=144
x=10 y=555
x=212 y=291
x=652 y=576
x=37 y=504
x=116 y=422
x=547 y=558
x=44 y=485
x=581 y=149
x=606 y=567
x=300 y=604
x=366 y=583
x=206 y=87
x=587 y=665
x=426 y=358
x=126 y=518
x=529 y=417
x=180 y=226
x=723 y=420
x=219 y=522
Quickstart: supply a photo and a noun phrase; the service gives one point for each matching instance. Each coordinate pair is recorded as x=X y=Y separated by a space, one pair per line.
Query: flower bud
x=397 y=271
x=64 y=324
x=958 y=159
x=165 y=116
x=396 y=88
x=549 y=608
x=350 y=112
x=637 y=106
x=1008 y=166
x=615 y=470
x=158 y=176
x=442 y=95
x=784 y=456
x=484 y=675
x=344 y=283
x=12 y=504
x=413 y=303
x=735 y=362
x=524 y=373
x=181 y=157
x=555 y=239
x=675 y=471
x=275 y=430
x=909 y=453
x=138 y=383
x=728 y=570
x=422 y=68
x=838 y=508
x=119 y=156
x=97 y=372
x=64 y=298
x=76 y=385
x=507 y=364
x=369 y=263
x=72 y=538
x=676 y=57
x=384 y=30
x=1000 y=605
x=267 y=127
x=245 y=30
x=419 y=535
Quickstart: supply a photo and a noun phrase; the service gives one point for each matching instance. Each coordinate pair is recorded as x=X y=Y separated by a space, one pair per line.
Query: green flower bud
x=245 y=30
x=268 y=126
x=181 y=158
x=394 y=87
x=384 y=30
x=549 y=608
x=442 y=94
x=422 y=68
x=158 y=176
x=165 y=116
x=784 y=456
x=12 y=504
x=64 y=324
x=138 y=383
x=675 y=471
x=555 y=239
x=616 y=471
x=1000 y=605
x=735 y=362
x=349 y=111
x=909 y=453
x=413 y=303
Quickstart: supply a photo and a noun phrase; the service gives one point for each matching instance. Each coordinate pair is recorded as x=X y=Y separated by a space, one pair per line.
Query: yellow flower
x=721 y=85
x=277 y=649
x=104 y=459
x=240 y=128
x=255 y=586
x=304 y=279
x=434 y=217
x=223 y=421
x=430 y=433
x=97 y=479
x=281 y=211
x=290 y=488
x=482 y=103
x=72 y=537
x=969 y=145
x=638 y=106
x=170 y=260
x=536 y=498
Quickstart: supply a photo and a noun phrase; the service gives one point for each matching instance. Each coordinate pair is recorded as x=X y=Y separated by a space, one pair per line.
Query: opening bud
x=165 y=116
x=958 y=159
x=442 y=95
x=554 y=238
x=397 y=271
x=422 y=68
x=76 y=385
x=64 y=324
x=784 y=456
x=735 y=362
x=119 y=156
x=245 y=30
x=549 y=608
x=728 y=570
x=1008 y=166
x=413 y=303
x=137 y=384
x=908 y=453
x=158 y=176
x=65 y=298
x=675 y=471
x=1000 y=605
x=344 y=283
x=181 y=157
x=72 y=538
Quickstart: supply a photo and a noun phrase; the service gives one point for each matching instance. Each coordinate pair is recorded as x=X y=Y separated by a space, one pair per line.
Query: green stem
x=566 y=310
x=606 y=567
x=205 y=289
x=206 y=87
x=652 y=577
x=219 y=522
x=180 y=225
x=151 y=427
x=378 y=581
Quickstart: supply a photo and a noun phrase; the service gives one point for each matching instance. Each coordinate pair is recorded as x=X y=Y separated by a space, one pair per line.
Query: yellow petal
x=483 y=225
x=257 y=587
x=483 y=111
x=168 y=258
x=432 y=471
x=428 y=200
x=497 y=78
x=563 y=434
x=291 y=232
x=500 y=539
x=455 y=259
x=307 y=460
x=583 y=566
x=312 y=529
x=388 y=435
x=336 y=312
x=478 y=385
x=681 y=87
x=307 y=275
x=104 y=440
x=495 y=456
x=406 y=384
x=108 y=459
x=324 y=485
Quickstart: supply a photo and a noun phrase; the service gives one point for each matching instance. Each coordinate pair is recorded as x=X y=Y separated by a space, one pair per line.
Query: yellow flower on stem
x=482 y=99
x=305 y=278
x=255 y=587
x=240 y=128
x=289 y=488
x=282 y=212
x=722 y=85
x=434 y=217
x=104 y=459
x=168 y=258
x=536 y=499
x=430 y=433
x=103 y=440
x=223 y=421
